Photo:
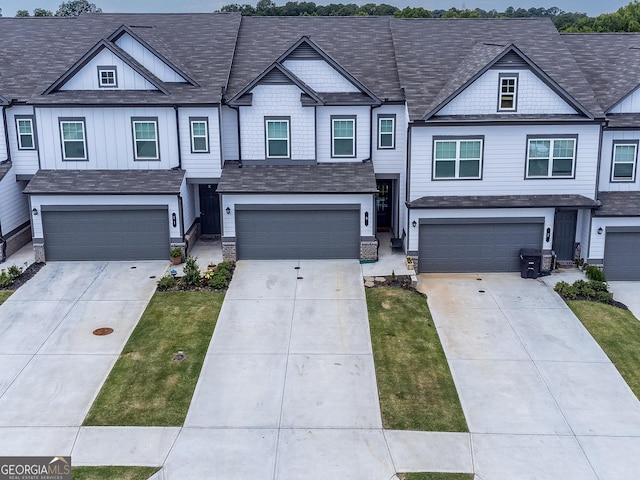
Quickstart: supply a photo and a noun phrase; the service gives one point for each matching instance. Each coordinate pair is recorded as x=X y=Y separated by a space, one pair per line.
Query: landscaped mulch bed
x=25 y=276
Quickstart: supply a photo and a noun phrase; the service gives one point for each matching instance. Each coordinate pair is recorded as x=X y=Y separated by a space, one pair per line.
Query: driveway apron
x=288 y=388
x=541 y=398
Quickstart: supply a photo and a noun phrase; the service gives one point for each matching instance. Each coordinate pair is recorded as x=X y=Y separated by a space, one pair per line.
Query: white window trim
x=458 y=141
x=101 y=83
x=288 y=138
x=635 y=162
x=84 y=140
x=334 y=138
x=552 y=141
x=136 y=140
x=194 y=136
x=32 y=134
x=392 y=133
x=502 y=94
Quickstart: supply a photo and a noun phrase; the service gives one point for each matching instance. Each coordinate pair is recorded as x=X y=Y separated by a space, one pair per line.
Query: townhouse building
x=305 y=137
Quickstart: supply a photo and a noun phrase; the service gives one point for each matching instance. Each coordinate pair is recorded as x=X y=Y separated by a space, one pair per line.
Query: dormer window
x=107 y=77
x=508 y=93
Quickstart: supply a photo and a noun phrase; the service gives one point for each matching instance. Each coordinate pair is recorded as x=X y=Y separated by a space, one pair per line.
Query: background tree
x=37 y=12
x=73 y=8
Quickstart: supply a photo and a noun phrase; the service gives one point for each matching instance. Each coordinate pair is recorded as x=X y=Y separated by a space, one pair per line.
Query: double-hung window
x=199 y=135
x=551 y=157
x=507 y=94
x=343 y=139
x=457 y=158
x=26 y=135
x=277 y=135
x=623 y=168
x=74 y=141
x=386 y=132
x=145 y=139
x=107 y=77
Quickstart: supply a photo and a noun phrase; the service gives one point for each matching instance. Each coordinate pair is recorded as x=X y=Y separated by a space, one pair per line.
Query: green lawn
x=414 y=381
x=618 y=333
x=113 y=473
x=146 y=387
x=4 y=294
x=436 y=476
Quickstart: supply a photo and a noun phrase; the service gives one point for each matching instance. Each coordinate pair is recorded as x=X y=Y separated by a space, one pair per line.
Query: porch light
x=174 y=219
x=366 y=219
x=600 y=230
x=34 y=211
x=414 y=223
x=228 y=210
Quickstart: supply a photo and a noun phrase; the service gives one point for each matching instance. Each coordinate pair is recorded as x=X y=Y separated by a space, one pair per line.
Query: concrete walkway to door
x=541 y=398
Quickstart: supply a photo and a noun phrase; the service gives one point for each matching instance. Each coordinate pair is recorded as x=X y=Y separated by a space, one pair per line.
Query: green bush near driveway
x=436 y=476
x=415 y=385
x=147 y=386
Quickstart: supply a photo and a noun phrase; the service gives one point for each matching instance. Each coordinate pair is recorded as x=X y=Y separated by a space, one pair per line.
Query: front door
x=564 y=234
x=384 y=205
x=209 y=210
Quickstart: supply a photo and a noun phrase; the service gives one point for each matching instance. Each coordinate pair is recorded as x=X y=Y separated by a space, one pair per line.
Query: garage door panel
x=106 y=234
x=622 y=256
x=297 y=234
x=476 y=247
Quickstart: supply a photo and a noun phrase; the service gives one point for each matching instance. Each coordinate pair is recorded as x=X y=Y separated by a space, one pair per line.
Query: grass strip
x=146 y=387
x=415 y=385
x=113 y=473
x=436 y=476
x=4 y=294
x=617 y=331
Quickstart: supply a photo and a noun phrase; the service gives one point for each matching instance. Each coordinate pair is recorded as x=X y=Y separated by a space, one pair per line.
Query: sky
x=590 y=7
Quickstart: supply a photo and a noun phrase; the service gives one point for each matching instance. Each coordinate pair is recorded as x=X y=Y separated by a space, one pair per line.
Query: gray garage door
x=476 y=247
x=622 y=255
x=298 y=232
x=106 y=234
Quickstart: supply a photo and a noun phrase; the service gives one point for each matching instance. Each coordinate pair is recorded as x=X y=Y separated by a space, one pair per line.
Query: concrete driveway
x=541 y=398
x=627 y=293
x=52 y=366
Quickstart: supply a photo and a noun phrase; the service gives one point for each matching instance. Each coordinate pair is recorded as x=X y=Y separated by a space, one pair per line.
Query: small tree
x=23 y=13
x=73 y=8
x=42 y=12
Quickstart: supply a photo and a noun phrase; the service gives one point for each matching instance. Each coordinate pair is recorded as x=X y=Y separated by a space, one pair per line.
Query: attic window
x=508 y=93
x=107 y=77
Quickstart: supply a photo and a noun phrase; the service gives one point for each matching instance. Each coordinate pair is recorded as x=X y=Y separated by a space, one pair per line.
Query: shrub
x=595 y=274
x=603 y=297
x=14 y=272
x=220 y=279
x=191 y=271
x=175 y=252
x=566 y=291
x=5 y=279
x=592 y=290
x=166 y=282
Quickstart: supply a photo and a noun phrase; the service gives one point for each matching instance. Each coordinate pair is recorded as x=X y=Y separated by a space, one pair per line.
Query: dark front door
x=209 y=210
x=564 y=234
x=384 y=205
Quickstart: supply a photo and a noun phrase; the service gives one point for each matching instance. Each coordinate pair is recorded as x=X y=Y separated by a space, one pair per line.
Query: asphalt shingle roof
x=106 y=182
x=504 y=201
x=345 y=177
x=619 y=204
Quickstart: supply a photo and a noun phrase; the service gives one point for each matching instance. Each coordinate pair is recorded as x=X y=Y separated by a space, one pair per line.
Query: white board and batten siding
x=25 y=162
x=148 y=59
x=109 y=138
x=188 y=193
x=365 y=201
x=3 y=145
x=37 y=201
x=519 y=213
x=596 y=250
x=87 y=77
x=229 y=133
x=533 y=96
x=606 y=160
x=277 y=101
x=320 y=76
x=504 y=161
x=14 y=205
x=200 y=164
x=362 y=134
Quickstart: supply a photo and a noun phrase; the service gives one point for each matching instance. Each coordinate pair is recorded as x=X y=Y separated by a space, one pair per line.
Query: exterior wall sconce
x=366 y=219
x=414 y=224
x=548 y=236
x=228 y=210
x=600 y=230
x=34 y=211
x=174 y=219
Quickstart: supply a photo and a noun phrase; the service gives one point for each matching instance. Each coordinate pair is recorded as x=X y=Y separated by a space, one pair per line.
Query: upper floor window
x=551 y=157
x=145 y=139
x=508 y=93
x=107 y=77
x=277 y=138
x=343 y=139
x=26 y=135
x=457 y=158
x=74 y=142
x=386 y=132
x=623 y=168
x=199 y=135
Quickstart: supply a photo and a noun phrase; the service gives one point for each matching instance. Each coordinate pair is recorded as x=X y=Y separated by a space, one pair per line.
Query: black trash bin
x=530 y=261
